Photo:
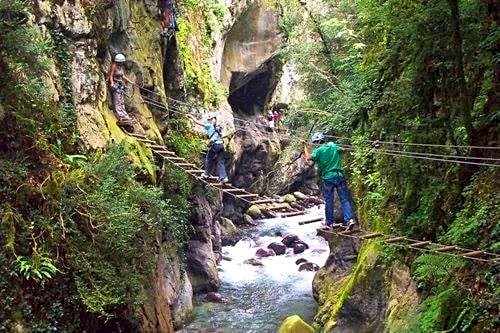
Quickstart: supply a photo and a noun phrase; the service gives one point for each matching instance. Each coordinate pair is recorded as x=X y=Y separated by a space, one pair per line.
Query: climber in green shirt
x=327 y=158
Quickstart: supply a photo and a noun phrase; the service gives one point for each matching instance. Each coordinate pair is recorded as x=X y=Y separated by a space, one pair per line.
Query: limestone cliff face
x=229 y=45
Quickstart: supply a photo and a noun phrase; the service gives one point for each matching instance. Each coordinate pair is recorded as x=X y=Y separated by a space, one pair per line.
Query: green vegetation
x=77 y=232
x=93 y=226
x=410 y=71
x=201 y=23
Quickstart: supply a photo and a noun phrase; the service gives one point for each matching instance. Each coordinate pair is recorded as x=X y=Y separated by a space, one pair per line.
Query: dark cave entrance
x=249 y=93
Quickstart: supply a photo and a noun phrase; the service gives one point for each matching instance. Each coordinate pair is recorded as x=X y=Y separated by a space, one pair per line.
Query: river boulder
x=254 y=212
x=278 y=248
x=308 y=266
x=300 y=261
x=262 y=253
x=253 y=262
x=298 y=248
x=300 y=195
x=289 y=198
x=248 y=220
x=294 y=324
x=289 y=239
x=228 y=232
x=214 y=297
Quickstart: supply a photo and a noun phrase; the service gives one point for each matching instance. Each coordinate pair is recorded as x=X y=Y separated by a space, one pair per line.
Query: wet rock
x=278 y=248
x=316 y=201
x=308 y=266
x=300 y=261
x=253 y=262
x=298 y=248
x=248 y=219
x=289 y=239
x=295 y=324
x=262 y=253
x=297 y=206
x=201 y=266
x=289 y=198
x=254 y=212
x=278 y=234
x=228 y=232
x=301 y=242
x=300 y=195
x=214 y=297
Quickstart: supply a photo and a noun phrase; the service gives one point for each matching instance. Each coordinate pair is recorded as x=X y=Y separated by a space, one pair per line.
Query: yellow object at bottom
x=294 y=324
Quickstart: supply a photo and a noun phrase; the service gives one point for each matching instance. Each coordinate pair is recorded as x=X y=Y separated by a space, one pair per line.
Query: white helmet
x=209 y=116
x=120 y=58
x=317 y=137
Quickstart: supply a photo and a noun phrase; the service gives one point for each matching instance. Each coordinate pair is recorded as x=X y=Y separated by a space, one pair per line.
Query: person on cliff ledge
x=167 y=14
x=117 y=79
x=327 y=157
x=215 y=147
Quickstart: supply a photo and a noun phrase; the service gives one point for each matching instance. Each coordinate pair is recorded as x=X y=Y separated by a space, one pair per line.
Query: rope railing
x=419 y=245
x=404 y=242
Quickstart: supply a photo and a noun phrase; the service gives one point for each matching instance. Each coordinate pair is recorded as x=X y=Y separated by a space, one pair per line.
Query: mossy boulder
x=295 y=324
x=289 y=198
x=228 y=232
x=254 y=212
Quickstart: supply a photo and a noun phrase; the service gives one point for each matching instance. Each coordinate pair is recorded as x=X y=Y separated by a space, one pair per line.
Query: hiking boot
x=350 y=225
x=223 y=181
x=336 y=225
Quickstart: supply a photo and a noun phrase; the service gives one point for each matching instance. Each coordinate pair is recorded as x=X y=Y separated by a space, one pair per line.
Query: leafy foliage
x=408 y=71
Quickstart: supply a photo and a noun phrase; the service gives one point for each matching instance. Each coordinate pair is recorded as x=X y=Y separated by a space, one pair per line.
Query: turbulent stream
x=261 y=297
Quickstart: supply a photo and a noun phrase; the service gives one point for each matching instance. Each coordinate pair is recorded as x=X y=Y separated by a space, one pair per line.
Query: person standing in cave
x=327 y=157
x=270 y=121
x=215 y=147
x=277 y=119
x=168 y=19
x=117 y=79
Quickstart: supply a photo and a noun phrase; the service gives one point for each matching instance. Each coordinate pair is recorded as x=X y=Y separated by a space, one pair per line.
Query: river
x=261 y=297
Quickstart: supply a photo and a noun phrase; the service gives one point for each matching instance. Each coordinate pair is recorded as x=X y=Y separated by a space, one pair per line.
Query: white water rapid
x=261 y=297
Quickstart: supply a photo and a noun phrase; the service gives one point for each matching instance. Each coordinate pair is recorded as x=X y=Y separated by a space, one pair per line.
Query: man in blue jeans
x=327 y=157
x=215 y=147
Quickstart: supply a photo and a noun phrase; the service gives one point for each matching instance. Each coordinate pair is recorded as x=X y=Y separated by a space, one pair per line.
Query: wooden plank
x=395 y=239
x=311 y=220
x=372 y=235
x=420 y=244
x=232 y=190
x=164 y=152
x=182 y=165
x=198 y=171
x=173 y=158
x=472 y=254
x=156 y=146
x=262 y=201
x=147 y=141
x=251 y=195
x=292 y=214
x=446 y=249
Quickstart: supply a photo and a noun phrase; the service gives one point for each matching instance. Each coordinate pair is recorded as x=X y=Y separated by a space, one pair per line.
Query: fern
x=436 y=269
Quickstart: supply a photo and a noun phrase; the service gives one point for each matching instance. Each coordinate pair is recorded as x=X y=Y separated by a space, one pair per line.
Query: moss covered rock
x=289 y=198
x=294 y=324
x=254 y=212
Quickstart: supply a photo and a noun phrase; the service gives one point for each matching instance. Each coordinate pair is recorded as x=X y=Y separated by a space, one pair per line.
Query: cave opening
x=249 y=93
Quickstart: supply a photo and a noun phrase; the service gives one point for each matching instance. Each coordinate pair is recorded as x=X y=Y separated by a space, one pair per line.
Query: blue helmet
x=317 y=137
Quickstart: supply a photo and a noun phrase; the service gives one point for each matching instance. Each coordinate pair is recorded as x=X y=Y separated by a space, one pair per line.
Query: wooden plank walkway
x=243 y=195
x=418 y=245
